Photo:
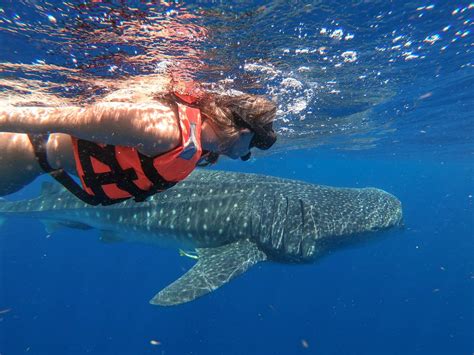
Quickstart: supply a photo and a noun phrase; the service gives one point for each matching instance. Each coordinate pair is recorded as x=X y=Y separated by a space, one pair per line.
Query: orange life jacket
x=111 y=174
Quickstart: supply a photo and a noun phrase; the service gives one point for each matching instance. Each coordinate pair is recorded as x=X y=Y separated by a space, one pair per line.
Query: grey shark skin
x=233 y=220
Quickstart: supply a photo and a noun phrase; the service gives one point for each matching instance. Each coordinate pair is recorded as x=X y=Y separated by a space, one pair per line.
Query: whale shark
x=232 y=221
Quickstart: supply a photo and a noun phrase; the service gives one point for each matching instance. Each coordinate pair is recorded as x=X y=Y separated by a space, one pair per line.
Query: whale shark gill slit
x=302 y=212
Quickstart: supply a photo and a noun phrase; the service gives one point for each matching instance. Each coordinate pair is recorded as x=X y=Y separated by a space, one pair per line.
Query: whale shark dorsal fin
x=214 y=268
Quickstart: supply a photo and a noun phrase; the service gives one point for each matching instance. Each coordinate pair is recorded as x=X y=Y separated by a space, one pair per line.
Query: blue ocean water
x=411 y=292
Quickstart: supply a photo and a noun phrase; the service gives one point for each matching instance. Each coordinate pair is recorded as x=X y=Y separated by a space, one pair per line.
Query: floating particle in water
x=252 y=67
x=349 y=56
x=349 y=36
x=299 y=105
x=337 y=34
x=302 y=51
x=429 y=7
x=304 y=343
x=291 y=83
x=410 y=56
x=432 y=39
x=155 y=342
x=396 y=39
x=304 y=69
x=446 y=28
x=52 y=19
x=425 y=96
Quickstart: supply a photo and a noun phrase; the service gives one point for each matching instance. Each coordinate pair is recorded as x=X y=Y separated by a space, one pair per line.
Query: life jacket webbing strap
x=159 y=182
x=122 y=178
x=39 y=142
x=118 y=176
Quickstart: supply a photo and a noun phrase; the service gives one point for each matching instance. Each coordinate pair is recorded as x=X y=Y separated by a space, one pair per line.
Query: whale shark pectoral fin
x=214 y=268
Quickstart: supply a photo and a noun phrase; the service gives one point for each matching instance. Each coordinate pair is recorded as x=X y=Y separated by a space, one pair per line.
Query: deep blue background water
x=409 y=293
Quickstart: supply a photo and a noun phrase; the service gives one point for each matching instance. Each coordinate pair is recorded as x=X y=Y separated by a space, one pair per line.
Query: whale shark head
x=311 y=222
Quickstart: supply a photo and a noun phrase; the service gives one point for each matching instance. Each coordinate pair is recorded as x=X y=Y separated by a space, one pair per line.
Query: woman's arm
x=152 y=127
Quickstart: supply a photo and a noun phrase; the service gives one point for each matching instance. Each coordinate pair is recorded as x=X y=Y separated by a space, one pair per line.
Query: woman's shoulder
x=138 y=89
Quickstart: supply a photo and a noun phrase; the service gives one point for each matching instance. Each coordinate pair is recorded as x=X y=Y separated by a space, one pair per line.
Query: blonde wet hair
x=226 y=113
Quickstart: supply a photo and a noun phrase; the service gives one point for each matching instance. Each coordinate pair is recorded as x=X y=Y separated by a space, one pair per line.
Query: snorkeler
x=121 y=150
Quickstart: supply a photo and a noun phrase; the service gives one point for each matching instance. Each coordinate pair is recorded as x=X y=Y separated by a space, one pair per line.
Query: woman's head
x=240 y=122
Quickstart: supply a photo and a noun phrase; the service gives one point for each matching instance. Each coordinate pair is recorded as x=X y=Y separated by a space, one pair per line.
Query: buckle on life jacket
x=191 y=145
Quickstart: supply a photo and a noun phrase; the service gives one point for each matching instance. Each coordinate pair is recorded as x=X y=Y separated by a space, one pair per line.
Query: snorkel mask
x=264 y=136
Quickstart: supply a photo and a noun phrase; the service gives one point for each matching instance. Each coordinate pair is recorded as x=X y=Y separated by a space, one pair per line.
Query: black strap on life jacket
x=95 y=181
x=123 y=178
x=39 y=141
